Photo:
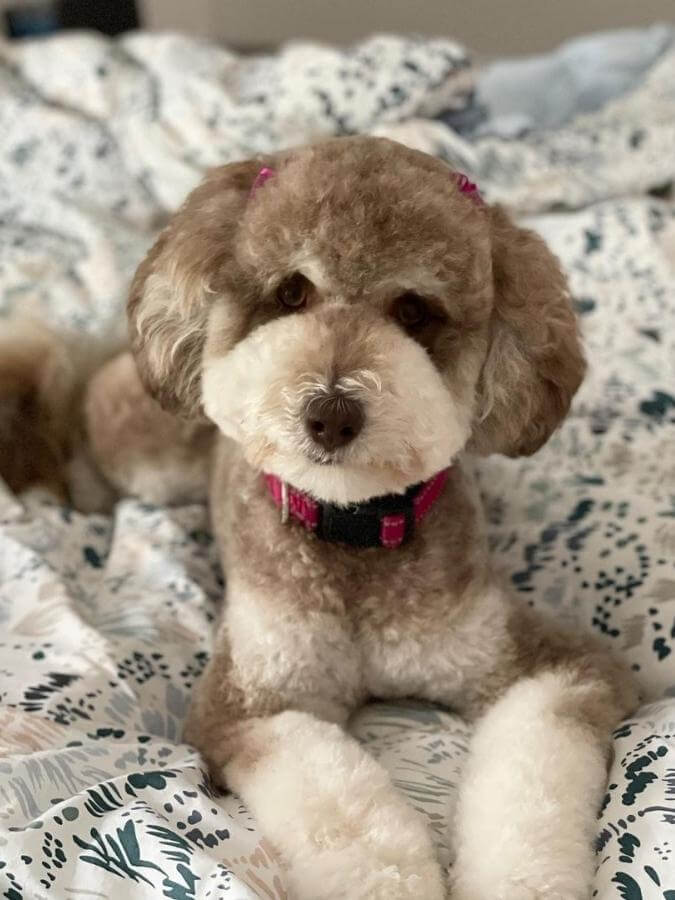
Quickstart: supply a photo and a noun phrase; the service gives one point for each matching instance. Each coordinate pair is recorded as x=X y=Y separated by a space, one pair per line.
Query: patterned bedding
x=105 y=621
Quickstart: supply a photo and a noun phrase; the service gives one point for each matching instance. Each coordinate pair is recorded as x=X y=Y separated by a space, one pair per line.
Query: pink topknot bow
x=467 y=187
x=261 y=178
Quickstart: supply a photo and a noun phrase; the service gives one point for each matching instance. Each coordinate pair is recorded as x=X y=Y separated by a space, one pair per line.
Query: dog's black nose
x=333 y=421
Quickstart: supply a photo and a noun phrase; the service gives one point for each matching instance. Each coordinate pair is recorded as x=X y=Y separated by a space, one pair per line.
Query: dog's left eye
x=293 y=291
x=411 y=310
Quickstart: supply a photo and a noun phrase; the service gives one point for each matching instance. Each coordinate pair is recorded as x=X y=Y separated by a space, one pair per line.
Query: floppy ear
x=175 y=285
x=534 y=363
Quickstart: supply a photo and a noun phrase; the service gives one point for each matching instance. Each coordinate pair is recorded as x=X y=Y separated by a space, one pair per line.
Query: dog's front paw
x=518 y=892
x=569 y=886
x=340 y=826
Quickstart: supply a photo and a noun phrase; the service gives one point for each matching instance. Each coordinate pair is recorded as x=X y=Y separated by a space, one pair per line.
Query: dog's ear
x=175 y=286
x=534 y=363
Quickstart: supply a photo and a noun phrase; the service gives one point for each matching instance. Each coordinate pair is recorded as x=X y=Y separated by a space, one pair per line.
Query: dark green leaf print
x=660 y=407
x=653 y=875
x=639 y=776
x=174 y=846
x=628 y=886
x=102 y=800
x=120 y=856
x=628 y=842
x=156 y=780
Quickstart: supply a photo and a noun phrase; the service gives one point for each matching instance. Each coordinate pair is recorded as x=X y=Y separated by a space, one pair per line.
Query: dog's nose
x=334 y=421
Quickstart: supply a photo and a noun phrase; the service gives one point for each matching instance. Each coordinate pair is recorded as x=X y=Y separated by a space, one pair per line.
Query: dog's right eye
x=293 y=291
x=411 y=310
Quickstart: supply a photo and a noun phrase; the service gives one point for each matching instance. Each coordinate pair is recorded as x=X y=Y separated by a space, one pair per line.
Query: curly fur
x=310 y=630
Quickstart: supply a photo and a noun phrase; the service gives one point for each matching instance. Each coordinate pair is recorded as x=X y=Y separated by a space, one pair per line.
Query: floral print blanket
x=105 y=621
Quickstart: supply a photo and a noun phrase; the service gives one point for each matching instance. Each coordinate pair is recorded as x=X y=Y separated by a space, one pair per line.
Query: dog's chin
x=333 y=481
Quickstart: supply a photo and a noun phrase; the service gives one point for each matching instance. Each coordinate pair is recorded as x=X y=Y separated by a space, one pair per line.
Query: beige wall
x=488 y=26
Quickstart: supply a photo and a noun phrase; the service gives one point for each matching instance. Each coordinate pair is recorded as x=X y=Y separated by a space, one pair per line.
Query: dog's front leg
x=342 y=829
x=268 y=715
x=536 y=773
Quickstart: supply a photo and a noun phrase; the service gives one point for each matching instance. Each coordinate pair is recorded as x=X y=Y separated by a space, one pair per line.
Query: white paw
x=467 y=888
x=343 y=830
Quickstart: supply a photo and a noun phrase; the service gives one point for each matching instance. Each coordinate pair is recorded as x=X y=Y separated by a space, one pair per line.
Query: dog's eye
x=411 y=310
x=292 y=292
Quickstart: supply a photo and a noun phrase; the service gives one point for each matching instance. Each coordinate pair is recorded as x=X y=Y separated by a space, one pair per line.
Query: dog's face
x=355 y=321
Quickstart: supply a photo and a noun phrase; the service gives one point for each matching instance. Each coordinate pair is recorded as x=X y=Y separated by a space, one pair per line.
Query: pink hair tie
x=467 y=187
x=261 y=178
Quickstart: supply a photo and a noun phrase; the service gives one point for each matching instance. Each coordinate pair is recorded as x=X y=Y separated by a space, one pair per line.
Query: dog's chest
x=402 y=611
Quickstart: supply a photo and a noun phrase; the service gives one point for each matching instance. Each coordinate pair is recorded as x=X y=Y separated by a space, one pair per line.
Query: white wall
x=488 y=26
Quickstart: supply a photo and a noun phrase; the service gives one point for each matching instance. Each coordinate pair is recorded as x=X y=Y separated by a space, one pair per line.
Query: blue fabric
x=518 y=95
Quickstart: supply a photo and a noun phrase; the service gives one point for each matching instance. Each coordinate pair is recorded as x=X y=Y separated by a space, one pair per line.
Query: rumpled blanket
x=582 y=75
x=105 y=622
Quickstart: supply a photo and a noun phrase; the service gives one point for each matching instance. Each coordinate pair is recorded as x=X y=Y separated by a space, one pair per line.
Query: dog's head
x=355 y=320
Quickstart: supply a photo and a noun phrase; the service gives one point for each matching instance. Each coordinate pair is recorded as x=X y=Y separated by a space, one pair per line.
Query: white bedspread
x=105 y=622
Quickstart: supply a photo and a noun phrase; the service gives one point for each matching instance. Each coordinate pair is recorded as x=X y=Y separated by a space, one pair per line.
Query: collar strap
x=387 y=521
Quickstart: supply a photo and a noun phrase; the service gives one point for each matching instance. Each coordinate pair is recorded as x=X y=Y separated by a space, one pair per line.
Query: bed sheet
x=105 y=620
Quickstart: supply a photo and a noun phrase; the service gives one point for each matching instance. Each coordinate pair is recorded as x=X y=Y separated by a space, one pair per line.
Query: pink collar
x=387 y=521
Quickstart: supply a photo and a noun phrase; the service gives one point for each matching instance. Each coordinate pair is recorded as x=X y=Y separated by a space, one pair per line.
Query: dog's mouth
x=323 y=459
